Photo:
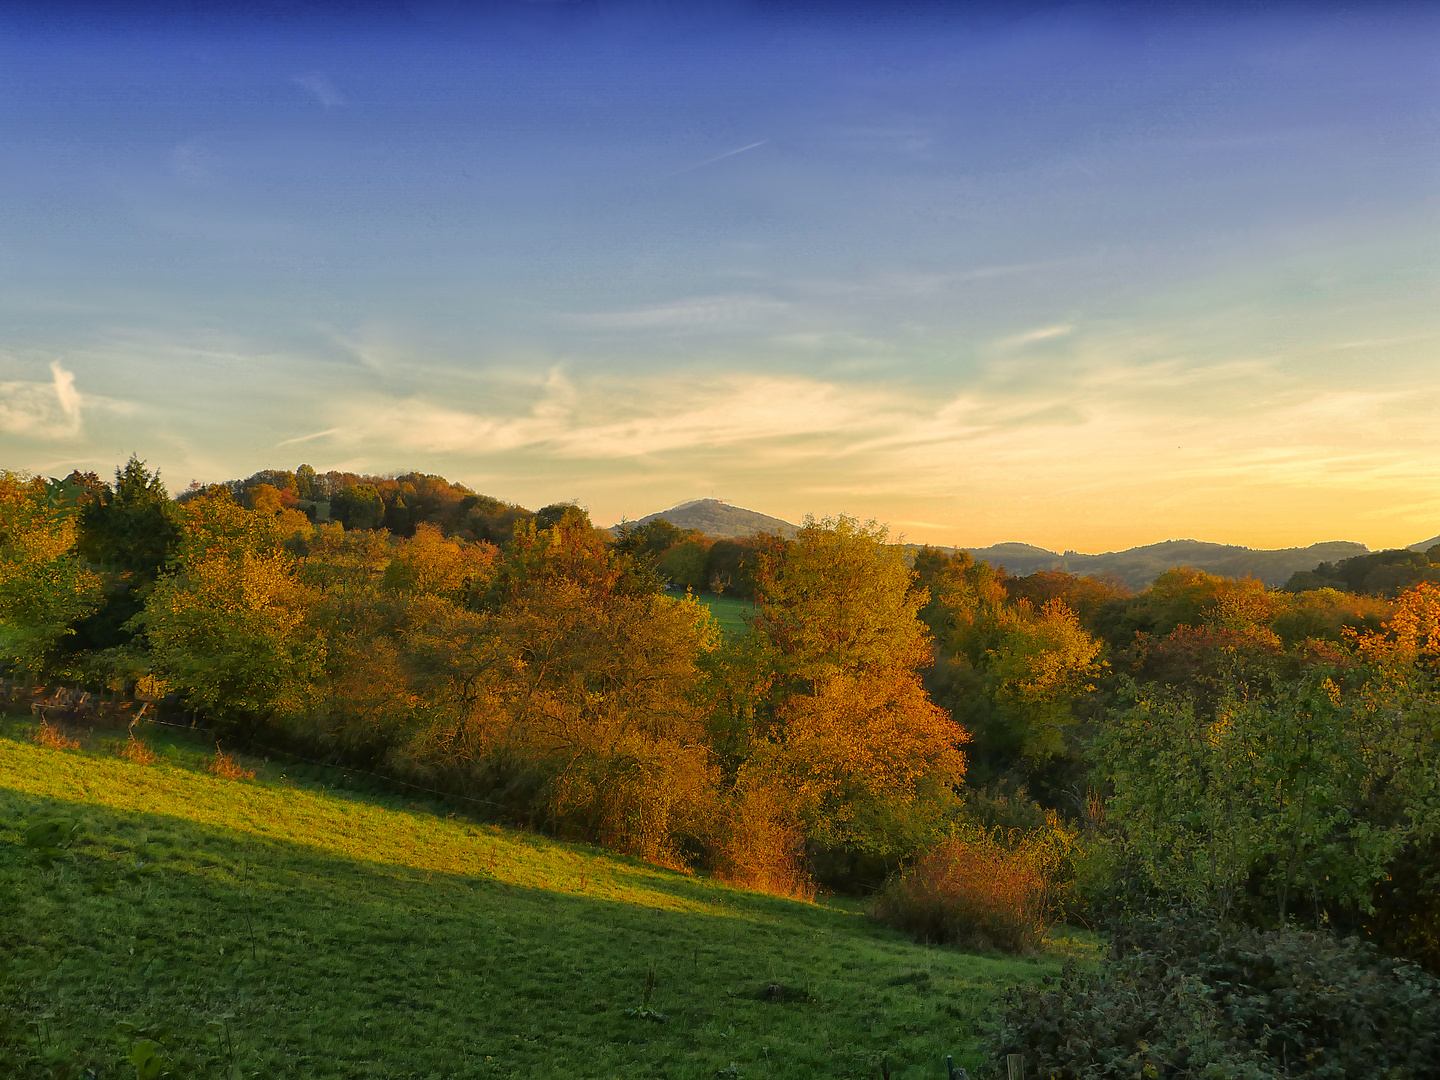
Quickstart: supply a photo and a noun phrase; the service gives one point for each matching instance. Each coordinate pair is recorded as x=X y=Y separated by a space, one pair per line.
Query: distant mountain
x=721 y=520
x=1139 y=566
x=1425 y=545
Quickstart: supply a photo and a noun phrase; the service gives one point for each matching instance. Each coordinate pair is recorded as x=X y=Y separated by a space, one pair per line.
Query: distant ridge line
x=1139 y=566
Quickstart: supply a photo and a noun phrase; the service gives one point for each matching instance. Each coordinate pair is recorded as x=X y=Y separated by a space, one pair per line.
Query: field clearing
x=338 y=933
x=729 y=611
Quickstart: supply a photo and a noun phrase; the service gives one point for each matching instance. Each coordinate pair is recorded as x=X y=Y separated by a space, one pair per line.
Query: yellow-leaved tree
x=846 y=743
x=228 y=628
x=44 y=585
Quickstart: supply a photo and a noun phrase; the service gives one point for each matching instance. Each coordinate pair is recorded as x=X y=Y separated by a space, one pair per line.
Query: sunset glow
x=1085 y=278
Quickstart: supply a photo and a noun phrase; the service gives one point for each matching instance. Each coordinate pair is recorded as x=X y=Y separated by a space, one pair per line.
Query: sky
x=1080 y=275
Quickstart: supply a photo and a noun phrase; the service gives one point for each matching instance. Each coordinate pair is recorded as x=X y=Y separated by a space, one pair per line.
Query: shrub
x=1187 y=998
x=52 y=737
x=223 y=764
x=753 y=843
x=975 y=892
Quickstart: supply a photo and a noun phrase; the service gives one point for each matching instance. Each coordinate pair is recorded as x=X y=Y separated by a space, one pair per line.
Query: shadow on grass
x=186 y=754
x=334 y=965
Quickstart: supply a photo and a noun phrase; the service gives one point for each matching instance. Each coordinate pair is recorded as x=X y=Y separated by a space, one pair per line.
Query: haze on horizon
x=1081 y=276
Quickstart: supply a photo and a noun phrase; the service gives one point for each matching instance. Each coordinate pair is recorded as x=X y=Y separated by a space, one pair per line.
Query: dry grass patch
x=224 y=765
x=138 y=751
x=53 y=738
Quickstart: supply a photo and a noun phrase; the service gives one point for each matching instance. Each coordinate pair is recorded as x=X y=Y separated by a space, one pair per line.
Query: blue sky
x=1081 y=275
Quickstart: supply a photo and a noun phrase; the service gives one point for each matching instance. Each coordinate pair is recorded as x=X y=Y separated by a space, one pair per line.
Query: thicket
x=1184 y=997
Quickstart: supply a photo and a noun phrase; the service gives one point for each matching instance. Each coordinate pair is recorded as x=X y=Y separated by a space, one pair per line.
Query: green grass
x=729 y=611
x=350 y=934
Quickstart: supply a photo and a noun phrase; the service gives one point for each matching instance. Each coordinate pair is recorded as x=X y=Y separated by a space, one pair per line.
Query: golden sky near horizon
x=1083 y=279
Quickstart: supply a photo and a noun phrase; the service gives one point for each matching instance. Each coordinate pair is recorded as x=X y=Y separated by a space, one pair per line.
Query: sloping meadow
x=177 y=920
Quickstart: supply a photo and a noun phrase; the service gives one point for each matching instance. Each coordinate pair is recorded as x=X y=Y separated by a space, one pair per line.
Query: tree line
x=1264 y=755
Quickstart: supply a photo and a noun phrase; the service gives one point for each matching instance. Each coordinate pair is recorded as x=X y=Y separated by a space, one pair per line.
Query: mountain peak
x=718 y=519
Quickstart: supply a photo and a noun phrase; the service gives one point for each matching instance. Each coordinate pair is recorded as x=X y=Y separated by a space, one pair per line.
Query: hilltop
x=720 y=520
x=322 y=930
x=1138 y=566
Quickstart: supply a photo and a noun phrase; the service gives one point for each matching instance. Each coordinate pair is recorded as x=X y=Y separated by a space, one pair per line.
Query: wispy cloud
x=308 y=438
x=1030 y=337
x=324 y=90
x=713 y=160
x=697 y=313
x=42 y=410
x=665 y=417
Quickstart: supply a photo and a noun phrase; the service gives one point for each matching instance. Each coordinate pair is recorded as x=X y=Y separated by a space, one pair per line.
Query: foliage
x=358 y=507
x=1083 y=595
x=1010 y=673
x=1265 y=790
x=44 y=586
x=847 y=732
x=230 y=627
x=1378 y=573
x=130 y=527
x=1187 y=998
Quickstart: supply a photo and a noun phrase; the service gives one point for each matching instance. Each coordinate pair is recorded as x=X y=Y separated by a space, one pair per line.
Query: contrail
x=711 y=161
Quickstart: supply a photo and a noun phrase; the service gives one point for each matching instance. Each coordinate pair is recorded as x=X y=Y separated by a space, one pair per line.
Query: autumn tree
x=358 y=507
x=128 y=531
x=1009 y=672
x=574 y=691
x=44 y=586
x=848 y=741
x=230 y=628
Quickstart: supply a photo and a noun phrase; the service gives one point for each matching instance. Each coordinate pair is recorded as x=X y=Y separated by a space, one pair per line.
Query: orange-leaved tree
x=847 y=743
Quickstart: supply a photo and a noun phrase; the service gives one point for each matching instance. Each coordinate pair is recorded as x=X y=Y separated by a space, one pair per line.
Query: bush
x=974 y=892
x=1186 y=998
x=753 y=845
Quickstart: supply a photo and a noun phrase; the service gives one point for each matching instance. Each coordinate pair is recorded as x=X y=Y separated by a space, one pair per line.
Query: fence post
x=1015 y=1063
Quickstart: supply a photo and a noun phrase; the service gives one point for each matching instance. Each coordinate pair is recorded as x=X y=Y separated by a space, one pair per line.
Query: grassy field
x=321 y=931
x=729 y=611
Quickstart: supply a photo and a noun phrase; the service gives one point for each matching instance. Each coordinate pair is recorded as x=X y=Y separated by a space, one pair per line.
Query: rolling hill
x=1138 y=566
x=720 y=520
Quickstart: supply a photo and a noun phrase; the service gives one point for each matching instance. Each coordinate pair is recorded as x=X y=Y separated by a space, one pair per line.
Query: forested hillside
x=719 y=520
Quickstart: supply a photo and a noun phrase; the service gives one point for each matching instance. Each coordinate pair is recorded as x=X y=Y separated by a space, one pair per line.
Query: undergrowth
x=1187 y=999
